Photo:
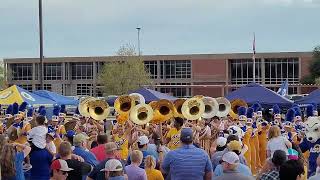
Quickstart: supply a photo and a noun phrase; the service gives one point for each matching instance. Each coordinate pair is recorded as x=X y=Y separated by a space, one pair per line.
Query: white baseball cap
x=113 y=165
x=142 y=140
x=221 y=141
x=60 y=164
x=231 y=158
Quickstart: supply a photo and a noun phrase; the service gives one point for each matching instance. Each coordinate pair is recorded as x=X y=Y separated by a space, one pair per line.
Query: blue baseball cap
x=70 y=133
x=186 y=135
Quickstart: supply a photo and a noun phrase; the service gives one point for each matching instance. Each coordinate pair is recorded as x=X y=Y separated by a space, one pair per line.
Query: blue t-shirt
x=243 y=169
x=40 y=161
x=187 y=163
x=88 y=156
x=19 y=169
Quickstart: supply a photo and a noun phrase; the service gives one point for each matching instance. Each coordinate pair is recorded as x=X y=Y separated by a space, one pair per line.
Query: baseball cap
x=80 y=138
x=186 y=135
x=60 y=164
x=231 y=158
x=113 y=165
x=234 y=146
x=221 y=141
x=293 y=154
x=111 y=146
x=70 y=133
x=142 y=140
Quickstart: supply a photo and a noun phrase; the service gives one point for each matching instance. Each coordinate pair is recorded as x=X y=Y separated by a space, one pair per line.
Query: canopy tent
x=58 y=98
x=313 y=97
x=17 y=94
x=148 y=94
x=256 y=93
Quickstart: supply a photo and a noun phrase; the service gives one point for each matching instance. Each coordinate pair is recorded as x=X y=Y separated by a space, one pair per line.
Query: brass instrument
x=124 y=104
x=211 y=107
x=177 y=108
x=141 y=114
x=163 y=110
x=138 y=98
x=235 y=104
x=98 y=109
x=193 y=108
x=83 y=106
x=224 y=107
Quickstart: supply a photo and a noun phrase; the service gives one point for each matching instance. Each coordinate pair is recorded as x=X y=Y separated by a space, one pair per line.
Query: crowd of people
x=249 y=147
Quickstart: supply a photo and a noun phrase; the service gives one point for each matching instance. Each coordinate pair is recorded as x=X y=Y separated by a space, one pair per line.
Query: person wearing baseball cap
x=113 y=170
x=59 y=169
x=187 y=162
x=230 y=168
x=80 y=142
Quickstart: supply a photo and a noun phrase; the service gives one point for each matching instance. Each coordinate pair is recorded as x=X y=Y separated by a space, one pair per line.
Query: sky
x=100 y=27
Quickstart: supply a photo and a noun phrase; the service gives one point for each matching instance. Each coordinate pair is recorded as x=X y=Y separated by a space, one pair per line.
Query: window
x=151 y=67
x=82 y=70
x=176 y=91
x=281 y=69
x=99 y=67
x=84 y=89
x=27 y=87
x=52 y=71
x=47 y=87
x=22 y=71
x=175 y=69
x=242 y=71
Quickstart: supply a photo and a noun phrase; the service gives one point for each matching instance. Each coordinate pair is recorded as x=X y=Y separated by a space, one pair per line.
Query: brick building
x=181 y=75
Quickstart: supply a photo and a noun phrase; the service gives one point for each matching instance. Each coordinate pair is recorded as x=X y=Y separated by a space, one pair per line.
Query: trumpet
x=224 y=107
x=193 y=108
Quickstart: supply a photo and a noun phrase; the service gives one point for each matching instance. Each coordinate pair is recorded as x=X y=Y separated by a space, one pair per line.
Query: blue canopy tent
x=256 y=93
x=148 y=94
x=313 y=97
x=58 y=98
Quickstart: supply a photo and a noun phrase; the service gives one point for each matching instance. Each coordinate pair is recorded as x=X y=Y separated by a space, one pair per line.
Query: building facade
x=180 y=75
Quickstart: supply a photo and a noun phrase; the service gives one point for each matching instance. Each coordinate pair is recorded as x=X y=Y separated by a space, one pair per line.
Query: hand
x=76 y=157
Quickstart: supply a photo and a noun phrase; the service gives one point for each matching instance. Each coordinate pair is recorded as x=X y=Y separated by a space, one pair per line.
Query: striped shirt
x=187 y=162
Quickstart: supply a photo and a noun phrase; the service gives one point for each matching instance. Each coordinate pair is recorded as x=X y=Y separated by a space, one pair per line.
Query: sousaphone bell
x=83 y=106
x=224 y=107
x=98 y=109
x=141 y=114
x=163 y=110
x=211 y=107
x=193 y=108
x=123 y=106
x=138 y=98
x=177 y=107
x=235 y=104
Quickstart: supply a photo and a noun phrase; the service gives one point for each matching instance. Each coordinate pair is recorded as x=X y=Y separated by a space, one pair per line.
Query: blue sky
x=100 y=27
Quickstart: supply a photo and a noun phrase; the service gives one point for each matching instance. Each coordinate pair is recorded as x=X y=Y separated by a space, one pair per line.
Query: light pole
x=139 y=51
x=41 y=44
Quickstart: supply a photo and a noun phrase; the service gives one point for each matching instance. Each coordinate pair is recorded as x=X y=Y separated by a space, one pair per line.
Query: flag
x=283 y=90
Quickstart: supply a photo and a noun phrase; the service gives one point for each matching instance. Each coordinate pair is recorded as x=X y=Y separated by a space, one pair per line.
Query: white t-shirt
x=38 y=136
x=277 y=143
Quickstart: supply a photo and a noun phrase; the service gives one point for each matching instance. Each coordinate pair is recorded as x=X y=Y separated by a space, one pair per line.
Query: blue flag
x=283 y=90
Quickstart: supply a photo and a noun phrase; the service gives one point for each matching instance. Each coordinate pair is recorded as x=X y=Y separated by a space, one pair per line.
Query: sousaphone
x=83 y=106
x=224 y=107
x=138 y=98
x=124 y=104
x=163 y=110
x=235 y=104
x=98 y=109
x=141 y=114
x=177 y=108
x=211 y=107
x=193 y=108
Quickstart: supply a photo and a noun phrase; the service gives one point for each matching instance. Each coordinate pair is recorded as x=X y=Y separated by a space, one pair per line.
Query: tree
x=314 y=68
x=124 y=73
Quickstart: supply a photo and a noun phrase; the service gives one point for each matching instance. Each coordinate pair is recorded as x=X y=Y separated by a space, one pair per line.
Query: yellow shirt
x=153 y=174
x=123 y=145
x=174 y=135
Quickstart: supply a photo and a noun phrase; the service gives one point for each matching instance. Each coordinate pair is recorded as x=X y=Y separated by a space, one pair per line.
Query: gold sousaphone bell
x=98 y=109
x=138 y=98
x=224 y=107
x=163 y=110
x=235 y=104
x=211 y=107
x=141 y=114
x=193 y=108
x=83 y=106
x=123 y=105
x=177 y=108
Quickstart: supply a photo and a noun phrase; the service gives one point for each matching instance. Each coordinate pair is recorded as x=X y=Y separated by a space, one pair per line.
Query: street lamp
x=139 y=51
